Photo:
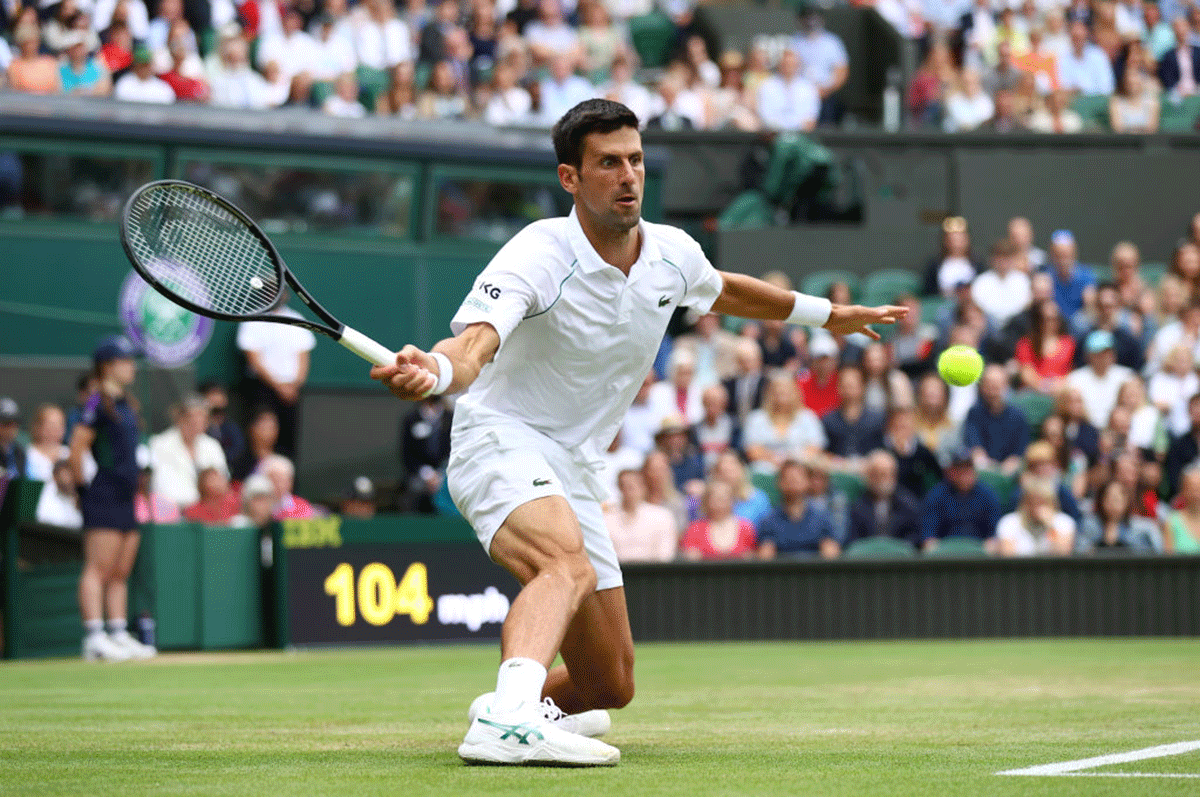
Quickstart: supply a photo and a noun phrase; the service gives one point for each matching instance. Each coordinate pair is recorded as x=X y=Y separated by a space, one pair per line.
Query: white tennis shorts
x=496 y=466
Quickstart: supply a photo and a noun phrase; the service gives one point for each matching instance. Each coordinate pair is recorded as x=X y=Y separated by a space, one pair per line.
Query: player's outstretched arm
x=747 y=297
x=416 y=373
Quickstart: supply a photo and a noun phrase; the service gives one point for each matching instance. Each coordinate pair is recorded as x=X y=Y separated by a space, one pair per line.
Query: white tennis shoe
x=525 y=736
x=592 y=723
x=137 y=650
x=101 y=647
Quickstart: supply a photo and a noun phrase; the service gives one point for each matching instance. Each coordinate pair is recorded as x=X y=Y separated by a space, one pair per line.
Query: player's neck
x=619 y=248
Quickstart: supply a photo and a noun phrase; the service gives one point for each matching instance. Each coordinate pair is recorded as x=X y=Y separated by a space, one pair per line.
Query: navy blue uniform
x=107 y=503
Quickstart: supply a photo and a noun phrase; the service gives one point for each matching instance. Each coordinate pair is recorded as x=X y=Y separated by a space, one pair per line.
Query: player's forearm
x=748 y=297
x=468 y=353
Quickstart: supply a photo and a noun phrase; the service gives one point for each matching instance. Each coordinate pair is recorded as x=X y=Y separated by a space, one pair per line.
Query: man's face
x=991 y=387
x=1079 y=35
x=1002 y=264
x=789 y=65
x=632 y=487
x=793 y=482
x=850 y=386
x=609 y=183
x=8 y=431
x=1107 y=304
x=881 y=476
x=962 y=475
x=1062 y=254
x=1102 y=360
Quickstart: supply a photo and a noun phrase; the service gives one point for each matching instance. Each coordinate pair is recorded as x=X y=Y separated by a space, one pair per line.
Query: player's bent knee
x=615 y=692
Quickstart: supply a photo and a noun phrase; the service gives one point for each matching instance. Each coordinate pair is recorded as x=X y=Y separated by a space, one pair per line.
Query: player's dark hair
x=589 y=116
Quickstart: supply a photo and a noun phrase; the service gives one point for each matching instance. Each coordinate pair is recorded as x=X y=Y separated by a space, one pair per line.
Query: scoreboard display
x=397 y=579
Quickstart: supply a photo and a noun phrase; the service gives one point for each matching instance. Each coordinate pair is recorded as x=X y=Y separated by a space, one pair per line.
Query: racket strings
x=203 y=253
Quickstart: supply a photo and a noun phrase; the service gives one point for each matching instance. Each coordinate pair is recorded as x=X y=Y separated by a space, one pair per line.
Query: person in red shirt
x=282 y=473
x=720 y=534
x=818 y=384
x=117 y=52
x=187 y=89
x=1047 y=354
x=218 y=503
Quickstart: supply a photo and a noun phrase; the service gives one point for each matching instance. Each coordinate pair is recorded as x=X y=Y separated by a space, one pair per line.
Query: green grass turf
x=926 y=718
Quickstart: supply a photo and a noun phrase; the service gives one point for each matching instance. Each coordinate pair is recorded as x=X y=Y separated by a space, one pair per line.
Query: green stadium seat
x=1093 y=110
x=958 y=548
x=1153 y=273
x=882 y=287
x=371 y=83
x=766 y=482
x=1179 y=117
x=850 y=484
x=653 y=37
x=1034 y=406
x=880 y=548
x=321 y=91
x=818 y=283
x=931 y=306
x=1003 y=486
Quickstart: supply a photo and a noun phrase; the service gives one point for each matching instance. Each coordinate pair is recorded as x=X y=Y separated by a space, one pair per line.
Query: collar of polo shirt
x=590 y=260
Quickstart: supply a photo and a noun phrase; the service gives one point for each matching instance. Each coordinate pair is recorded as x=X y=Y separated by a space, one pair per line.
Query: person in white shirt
x=58 y=504
x=562 y=89
x=969 y=106
x=1005 y=290
x=641 y=419
x=622 y=88
x=1038 y=527
x=679 y=393
x=1100 y=380
x=179 y=453
x=381 y=40
x=787 y=100
x=640 y=531
x=277 y=360
x=45 y=443
x=344 y=100
x=140 y=85
x=294 y=50
x=550 y=345
x=549 y=35
x=234 y=84
x=334 y=53
x=509 y=103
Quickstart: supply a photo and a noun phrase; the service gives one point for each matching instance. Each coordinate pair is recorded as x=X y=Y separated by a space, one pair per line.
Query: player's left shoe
x=525 y=736
x=594 y=723
x=136 y=649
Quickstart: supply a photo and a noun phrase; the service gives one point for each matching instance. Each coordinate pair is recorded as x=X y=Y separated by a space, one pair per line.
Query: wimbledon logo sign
x=170 y=335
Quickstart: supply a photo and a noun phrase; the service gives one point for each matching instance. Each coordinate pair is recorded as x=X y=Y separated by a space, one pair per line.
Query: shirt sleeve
x=703 y=283
x=91 y=411
x=506 y=292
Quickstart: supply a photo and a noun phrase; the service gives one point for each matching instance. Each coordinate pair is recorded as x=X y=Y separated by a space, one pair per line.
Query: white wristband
x=445 y=373
x=810 y=311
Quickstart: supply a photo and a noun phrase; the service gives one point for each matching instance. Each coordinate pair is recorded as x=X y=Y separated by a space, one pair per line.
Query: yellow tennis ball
x=960 y=365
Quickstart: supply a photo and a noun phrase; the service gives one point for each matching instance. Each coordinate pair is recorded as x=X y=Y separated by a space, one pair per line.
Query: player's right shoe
x=137 y=650
x=592 y=723
x=100 y=647
x=525 y=736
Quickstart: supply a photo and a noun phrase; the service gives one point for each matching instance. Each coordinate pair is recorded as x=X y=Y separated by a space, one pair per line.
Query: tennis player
x=551 y=345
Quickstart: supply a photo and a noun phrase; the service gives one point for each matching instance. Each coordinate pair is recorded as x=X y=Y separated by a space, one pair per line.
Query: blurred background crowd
x=763 y=440
x=1042 y=65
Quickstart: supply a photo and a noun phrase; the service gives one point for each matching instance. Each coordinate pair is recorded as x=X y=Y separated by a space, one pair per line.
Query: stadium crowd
x=985 y=64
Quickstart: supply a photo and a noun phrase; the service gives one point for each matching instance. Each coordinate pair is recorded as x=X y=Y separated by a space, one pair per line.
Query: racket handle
x=366 y=348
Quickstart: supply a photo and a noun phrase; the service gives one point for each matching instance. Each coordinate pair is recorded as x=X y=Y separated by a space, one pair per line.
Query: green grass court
x=894 y=719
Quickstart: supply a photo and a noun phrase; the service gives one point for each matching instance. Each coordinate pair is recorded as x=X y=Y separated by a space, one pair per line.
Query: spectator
x=400 y=99
x=964 y=397
x=715 y=432
x=1159 y=37
x=117 y=52
x=343 y=103
x=687 y=467
x=30 y=71
x=1005 y=290
x=824 y=61
x=778 y=351
x=1005 y=117
x=853 y=429
x=758 y=68
x=711 y=347
x=424 y=452
x=1028 y=256
x=884 y=386
x=968 y=106
x=179 y=453
x=1146 y=428
x=1173 y=387
x=549 y=37
x=12 y=453
x=819 y=383
x=1042 y=462
x=1037 y=527
x=788 y=101
x=642 y=419
x=917 y=467
x=681 y=394
x=745 y=388
x=159 y=29
x=954 y=265
x=561 y=89
x=148 y=506
x=140 y=85
x=1074 y=284
x=1185 y=264
x=46 y=443
x=672 y=104
x=1106 y=317
x=1057 y=116
x=661 y=489
x=935 y=428
x=616 y=458
x=1113 y=526
x=783 y=428
x=134 y=16
x=1131 y=109
x=261 y=438
x=1181 y=531
x=1078 y=431
x=358 y=501
x=622 y=88
x=913 y=340
x=218 y=504
x=58 y=503
x=333 y=50
x=1045 y=356
x=640 y=531
x=1184 y=330
x=381 y=40
x=295 y=51
x=258 y=503
x=600 y=40
x=433 y=34
x=509 y=104
x=731 y=105
x=960 y=505
x=1179 y=67
x=442 y=100
x=1101 y=378
x=995 y=431
x=800 y=525
x=885 y=509
x=1084 y=68
x=482 y=36
x=277 y=360
x=234 y=84
x=1184 y=449
x=930 y=85
x=282 y=473
x=80 y=73
x=1040 y=62
x=187 y=87
x=220 y=426
x=1004 y=74
x=749 y=502
x=720 y=534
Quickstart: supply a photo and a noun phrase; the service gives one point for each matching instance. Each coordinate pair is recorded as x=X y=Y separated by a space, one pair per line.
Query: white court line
x=1128 y=775
x=1072 y=767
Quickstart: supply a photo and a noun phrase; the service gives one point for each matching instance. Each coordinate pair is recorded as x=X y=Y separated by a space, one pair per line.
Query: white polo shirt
x=577 y=336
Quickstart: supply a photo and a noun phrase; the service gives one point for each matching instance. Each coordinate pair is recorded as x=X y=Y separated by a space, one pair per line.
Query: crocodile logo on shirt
x=540 y=482
x=664 y=301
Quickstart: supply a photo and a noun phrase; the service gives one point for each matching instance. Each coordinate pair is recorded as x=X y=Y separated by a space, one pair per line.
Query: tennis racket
x=203 y=253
